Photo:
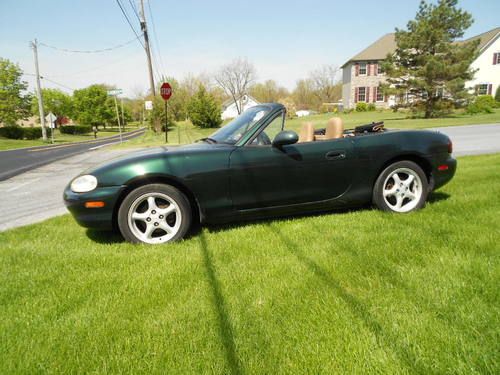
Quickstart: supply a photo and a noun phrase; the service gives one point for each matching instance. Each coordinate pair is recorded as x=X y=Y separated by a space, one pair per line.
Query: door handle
x=335 y=155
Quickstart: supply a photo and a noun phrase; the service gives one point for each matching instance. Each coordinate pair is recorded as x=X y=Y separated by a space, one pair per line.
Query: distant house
x=362 y=74
x=229 y=109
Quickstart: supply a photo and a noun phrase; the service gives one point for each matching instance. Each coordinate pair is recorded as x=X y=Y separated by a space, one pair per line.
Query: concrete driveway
x=37 y=195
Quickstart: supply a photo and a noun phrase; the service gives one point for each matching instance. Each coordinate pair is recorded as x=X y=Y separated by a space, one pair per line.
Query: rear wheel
x=154 y=214
x=402 y=187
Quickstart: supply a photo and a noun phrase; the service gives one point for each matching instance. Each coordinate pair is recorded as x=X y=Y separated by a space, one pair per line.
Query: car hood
x=154 y=161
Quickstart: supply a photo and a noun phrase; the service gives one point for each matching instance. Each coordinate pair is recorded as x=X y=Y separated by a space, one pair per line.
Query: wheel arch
x=159 y=179
x=420 y=160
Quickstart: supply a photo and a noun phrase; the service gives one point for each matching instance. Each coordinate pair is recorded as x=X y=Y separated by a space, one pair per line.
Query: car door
x=266 y=176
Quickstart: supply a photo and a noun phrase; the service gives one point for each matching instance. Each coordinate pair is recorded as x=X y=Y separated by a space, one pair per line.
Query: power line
x=95 y=50
x=129 y=23
x=135 y=10
x=50 y=80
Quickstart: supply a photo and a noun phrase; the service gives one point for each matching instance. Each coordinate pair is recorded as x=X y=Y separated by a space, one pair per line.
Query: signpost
x=166 y=93
x=51 y=119
x=115 y=93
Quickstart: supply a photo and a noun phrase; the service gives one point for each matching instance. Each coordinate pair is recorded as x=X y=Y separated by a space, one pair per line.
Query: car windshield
x=233 y=131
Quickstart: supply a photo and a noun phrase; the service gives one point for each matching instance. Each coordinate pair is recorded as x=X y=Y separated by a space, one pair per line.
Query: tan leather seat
x=306 y=132
x=334 y=129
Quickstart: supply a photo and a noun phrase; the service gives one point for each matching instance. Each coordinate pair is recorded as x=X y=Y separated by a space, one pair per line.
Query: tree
x=304 y=95
x=14 y=101
x=236 y=78
x=268 y=92
x=55 y=101
x=92 y=106
x=203 y=110
x=429 y=65
x=291 y=109
x=327 y=86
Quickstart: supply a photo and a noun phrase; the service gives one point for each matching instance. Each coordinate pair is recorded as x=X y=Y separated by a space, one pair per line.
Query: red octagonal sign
x=166 y=91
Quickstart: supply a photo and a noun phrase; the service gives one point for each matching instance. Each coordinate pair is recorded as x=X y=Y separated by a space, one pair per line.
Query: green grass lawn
x=348 y=292
x=185 y=132
x=10 y=144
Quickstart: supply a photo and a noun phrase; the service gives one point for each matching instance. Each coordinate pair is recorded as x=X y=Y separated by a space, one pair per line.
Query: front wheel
x=154 y=214
x=402 y=187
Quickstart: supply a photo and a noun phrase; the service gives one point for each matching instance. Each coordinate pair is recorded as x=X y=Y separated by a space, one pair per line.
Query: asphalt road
x=14 y=162
x=473 y=139
x=37 y=195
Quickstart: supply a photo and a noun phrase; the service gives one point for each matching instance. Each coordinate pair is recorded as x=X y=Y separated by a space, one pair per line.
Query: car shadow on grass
x=104 y=237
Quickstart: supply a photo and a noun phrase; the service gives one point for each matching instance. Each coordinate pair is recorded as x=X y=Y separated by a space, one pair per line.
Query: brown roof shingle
x=387 y=44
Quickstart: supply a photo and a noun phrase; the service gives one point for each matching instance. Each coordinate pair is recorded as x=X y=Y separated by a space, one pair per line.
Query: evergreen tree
x=429 y=64
x=203 y=110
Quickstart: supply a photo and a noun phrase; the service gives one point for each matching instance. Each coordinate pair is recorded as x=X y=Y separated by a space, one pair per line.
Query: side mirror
x=285 y=137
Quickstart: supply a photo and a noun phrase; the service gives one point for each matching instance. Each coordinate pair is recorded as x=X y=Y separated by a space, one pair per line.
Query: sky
x=284 y=39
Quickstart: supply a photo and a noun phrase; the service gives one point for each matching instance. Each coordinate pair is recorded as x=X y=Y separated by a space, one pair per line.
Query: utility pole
x=123 y=116
x=34 y=45
x=144 y=30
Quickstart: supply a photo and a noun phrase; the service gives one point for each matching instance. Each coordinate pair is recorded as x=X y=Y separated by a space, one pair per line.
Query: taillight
x=450 y=146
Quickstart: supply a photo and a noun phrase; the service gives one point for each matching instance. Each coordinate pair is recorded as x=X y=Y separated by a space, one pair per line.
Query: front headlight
x=84 y=184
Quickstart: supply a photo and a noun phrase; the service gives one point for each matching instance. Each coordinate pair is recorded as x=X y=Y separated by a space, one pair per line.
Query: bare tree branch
x=235 y=79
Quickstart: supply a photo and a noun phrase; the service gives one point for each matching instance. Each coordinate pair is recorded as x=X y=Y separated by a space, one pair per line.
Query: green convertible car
x=254 y=168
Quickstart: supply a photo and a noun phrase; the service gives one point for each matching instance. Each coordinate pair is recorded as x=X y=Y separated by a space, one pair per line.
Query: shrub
x=12 y=132
x=203 y=110
x=33 y=133
x=371 y=107
x=361 y=107
x=482 y=104
x=75 y=129
x=497 y=96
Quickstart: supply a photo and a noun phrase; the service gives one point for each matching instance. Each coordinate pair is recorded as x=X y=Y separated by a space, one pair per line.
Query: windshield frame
x=270 y=112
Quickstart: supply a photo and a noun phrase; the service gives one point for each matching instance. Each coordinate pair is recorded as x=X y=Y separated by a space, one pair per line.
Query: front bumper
x=97 y=218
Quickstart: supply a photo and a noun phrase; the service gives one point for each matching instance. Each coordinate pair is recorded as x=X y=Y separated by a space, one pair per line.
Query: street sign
x=51 y=118
x=115 y=92
x=166 y=91
x=148 y=105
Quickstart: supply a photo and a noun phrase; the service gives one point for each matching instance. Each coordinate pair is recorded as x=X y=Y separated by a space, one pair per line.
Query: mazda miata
x=254 y=168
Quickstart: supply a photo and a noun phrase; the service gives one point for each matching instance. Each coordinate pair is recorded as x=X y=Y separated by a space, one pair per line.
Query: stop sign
x=166 y=91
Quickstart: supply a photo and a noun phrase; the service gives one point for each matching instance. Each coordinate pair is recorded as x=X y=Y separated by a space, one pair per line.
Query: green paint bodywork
x=229 y=182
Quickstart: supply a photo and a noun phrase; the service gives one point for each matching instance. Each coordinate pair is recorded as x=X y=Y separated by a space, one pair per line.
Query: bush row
x=17 y=132
x=75 y=129
x=364 y=107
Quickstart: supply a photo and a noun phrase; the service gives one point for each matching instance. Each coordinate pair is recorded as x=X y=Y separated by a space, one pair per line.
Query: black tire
x=378 y=189
x=174 y=194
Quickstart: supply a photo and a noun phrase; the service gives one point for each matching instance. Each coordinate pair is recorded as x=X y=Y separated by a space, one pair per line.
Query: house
x=362 y=74
x=229 y=109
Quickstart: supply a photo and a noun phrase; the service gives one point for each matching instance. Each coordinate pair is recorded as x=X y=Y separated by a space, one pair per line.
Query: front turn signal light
x=97 y=204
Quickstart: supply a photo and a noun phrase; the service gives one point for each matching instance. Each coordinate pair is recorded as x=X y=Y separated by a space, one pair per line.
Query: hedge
x=12 y=132
x=75 y=129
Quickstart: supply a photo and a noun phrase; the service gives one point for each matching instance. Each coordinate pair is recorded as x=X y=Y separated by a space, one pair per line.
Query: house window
x=379 y=69
x=482 y=89
x=380 y=94
x=362 y=69
x=496 y=58
x=361 y=94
